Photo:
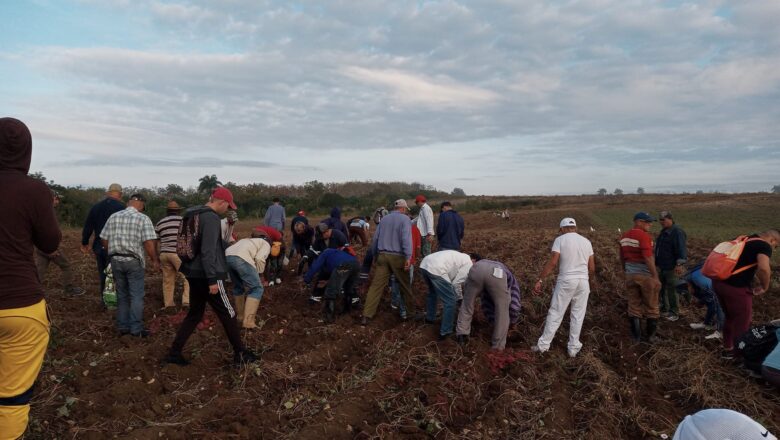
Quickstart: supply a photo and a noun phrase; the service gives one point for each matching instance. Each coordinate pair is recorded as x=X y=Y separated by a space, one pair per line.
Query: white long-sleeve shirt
x=254 y=251
x=425 y=221
x=453 y=266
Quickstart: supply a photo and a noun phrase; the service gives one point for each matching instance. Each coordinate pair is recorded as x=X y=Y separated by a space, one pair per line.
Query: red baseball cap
x=301 y=212
x=420 y=198
x=223 y=193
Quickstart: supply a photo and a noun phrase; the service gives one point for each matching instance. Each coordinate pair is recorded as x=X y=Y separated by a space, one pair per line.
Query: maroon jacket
x=26 y=219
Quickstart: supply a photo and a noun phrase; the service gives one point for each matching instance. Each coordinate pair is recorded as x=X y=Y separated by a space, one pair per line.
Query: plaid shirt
x=126 y=232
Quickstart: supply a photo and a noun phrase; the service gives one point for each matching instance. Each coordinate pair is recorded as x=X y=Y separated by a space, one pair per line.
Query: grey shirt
x=274 y=217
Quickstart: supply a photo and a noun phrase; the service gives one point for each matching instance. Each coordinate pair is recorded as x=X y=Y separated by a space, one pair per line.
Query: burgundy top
x=26 y=219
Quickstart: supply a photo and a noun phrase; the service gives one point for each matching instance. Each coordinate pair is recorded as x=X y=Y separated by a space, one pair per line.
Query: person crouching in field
x=302 y=236
x=340 y=269
x=444 y=273
x=575 y=255
x=694 y=282
x=500 y=294
x=736 y=292
x=246 y=261
x=359 y=227
x=642 y=282
x=27 y=220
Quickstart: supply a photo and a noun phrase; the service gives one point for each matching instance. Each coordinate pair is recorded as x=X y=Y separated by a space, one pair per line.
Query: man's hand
x=213 y=289
x=537 y=287
x=679 y=270
x=407 y=264
x=429 y=238
x=85 y=249
x=758 y=291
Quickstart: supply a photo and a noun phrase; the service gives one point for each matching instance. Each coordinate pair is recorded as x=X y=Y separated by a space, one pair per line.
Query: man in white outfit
x=575 y=254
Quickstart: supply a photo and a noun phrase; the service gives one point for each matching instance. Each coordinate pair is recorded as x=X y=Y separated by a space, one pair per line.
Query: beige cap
x=400 y=203
x=115 y=187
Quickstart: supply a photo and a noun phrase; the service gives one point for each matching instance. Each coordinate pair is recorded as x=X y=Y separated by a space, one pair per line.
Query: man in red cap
x=206 y=273
x=425 y=225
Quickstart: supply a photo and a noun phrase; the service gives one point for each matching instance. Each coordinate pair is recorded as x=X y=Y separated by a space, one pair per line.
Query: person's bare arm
x=592 y=271
x=650 y=261
x=151 y=250
x=551 y=263
x=763 y=273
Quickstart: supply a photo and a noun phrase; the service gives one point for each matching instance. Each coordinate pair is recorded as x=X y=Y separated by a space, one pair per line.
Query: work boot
x=250 y=310
x=650 y=328
x=636 y=328
x=240 y=300
x=330 y=310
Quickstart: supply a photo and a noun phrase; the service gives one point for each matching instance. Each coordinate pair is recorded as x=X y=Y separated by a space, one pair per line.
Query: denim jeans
x=244 y=277
x=714 y=310
x=395 y=290
x=439 y=288
x=129 y=282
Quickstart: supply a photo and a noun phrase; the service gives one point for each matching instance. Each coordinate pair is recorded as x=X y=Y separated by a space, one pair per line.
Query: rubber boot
x=330 y=310
x=650 y=328
x=636 y=328
x=250 y=310
x=240 y=299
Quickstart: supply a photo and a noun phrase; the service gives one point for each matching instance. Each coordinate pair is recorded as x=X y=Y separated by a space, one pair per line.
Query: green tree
x=458 y=192
x=640 y=190
x=208 y=183
x=602 y=191
x=618 y=192
x=174 y=190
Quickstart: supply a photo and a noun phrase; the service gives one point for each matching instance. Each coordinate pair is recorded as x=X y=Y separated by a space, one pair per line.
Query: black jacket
x=210 y=262
x=671 y=248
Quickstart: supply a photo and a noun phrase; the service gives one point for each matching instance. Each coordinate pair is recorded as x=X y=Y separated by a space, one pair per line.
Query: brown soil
x=390 y=379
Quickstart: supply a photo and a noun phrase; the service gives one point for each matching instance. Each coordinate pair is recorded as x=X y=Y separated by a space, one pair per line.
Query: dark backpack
x=756 y=344
x=188 y=238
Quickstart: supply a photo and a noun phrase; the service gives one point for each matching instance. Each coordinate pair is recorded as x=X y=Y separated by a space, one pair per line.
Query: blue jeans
x=129 y=282
x=439 y=288
x=395 y=290
x=713 y=307
x=244 y=277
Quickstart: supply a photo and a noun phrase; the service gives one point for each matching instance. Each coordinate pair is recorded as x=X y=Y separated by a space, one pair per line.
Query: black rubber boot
x=330 y=310
x=636 y=328
x=650 y=329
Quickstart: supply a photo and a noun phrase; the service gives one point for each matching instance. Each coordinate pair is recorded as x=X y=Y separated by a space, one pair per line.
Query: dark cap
x=665 y=214
x=645 y=217
x=446 y=203
x=138 y=197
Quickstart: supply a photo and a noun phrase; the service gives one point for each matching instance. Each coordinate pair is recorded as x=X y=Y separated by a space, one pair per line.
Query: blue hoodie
x=450 y=230
x=329 y=260
x=334 y=221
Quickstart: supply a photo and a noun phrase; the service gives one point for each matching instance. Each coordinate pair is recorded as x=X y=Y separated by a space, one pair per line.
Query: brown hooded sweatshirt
x=26 y=218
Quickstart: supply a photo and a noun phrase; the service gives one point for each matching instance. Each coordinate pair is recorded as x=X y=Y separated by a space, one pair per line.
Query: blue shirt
x=450 y=230
x=773 y=358
x=328 y=260
x=97 y=218
x=393 y=235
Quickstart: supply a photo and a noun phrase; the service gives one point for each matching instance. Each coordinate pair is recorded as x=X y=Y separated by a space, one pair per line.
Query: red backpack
x=723 y=259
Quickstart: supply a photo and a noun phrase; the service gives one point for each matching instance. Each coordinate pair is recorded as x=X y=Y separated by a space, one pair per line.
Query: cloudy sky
x=495 y=97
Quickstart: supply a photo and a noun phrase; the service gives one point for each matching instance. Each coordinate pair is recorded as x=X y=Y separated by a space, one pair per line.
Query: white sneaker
x=270 y=283
x=537 y=349
x=698 y=325
x=278 y=281
x=715 y=335
x=572 y=353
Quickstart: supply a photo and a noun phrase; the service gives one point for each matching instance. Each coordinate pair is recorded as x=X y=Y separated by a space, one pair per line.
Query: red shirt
x=635 y=246
x=416 y=242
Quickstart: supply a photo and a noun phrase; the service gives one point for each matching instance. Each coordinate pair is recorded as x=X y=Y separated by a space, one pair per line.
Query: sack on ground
x=756 y=344
x=109 y=291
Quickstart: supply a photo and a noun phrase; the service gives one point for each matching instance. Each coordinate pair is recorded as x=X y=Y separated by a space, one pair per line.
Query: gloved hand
x=232 y=217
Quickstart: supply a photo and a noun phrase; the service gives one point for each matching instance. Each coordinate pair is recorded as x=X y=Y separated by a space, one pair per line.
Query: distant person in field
x=500 y=298
x=392 y=251
x=206 y=274
x=573 y=253
x=694 y=282
x=450 y=228
x=444 y=273
x=96 y=219
x=379 y=213
x=167 y=230
x=246 y=260
x=339 y=270
x=642 y=282
x=736 y=293
x=126 y=236
x=302 y=235
x=274 y=216
x=359 y=227
x=334 y=222
x=27 y=221
x=425 y=225
x=671 y=254
x=42 y=261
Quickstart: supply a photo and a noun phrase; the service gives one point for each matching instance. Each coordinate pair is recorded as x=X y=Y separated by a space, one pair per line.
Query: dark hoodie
x=26 y=219
x=210 y=262
x=334 y=221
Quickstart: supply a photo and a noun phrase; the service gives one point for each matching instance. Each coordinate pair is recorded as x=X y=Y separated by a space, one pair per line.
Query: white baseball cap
x=721 y=424
x=568 y=221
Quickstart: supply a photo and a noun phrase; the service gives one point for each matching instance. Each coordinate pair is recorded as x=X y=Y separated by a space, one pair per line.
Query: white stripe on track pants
x=575 y=292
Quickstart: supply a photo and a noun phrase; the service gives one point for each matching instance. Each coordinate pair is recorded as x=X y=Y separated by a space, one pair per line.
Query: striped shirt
x=167 y=230
x=126 y=231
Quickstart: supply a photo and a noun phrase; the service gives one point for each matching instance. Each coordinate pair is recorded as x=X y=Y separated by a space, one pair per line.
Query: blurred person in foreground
x=27 y=220
x=721 y=424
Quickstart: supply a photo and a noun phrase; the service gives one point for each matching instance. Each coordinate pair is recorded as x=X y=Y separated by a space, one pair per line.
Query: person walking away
x=167 y=229
x=96 y=219
x=274 y=216
x=671 y=254
x=642 y=281
x=246 y=261
x=42 y=261
x=450 y=228
x=736 y=292
x=27 y=220
x=425 y=225
x=695 y=282
x=341 y=270
x=359 y=227
x=126 y=235
x=444 y=273
x=500 y=294
x=573 y=253
x=392 y=249
x=206 y=273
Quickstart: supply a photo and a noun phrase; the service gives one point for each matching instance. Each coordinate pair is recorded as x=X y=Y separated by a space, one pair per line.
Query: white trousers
x=568 y=291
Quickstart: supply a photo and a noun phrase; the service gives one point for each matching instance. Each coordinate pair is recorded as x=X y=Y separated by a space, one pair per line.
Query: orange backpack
x=723 y=259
